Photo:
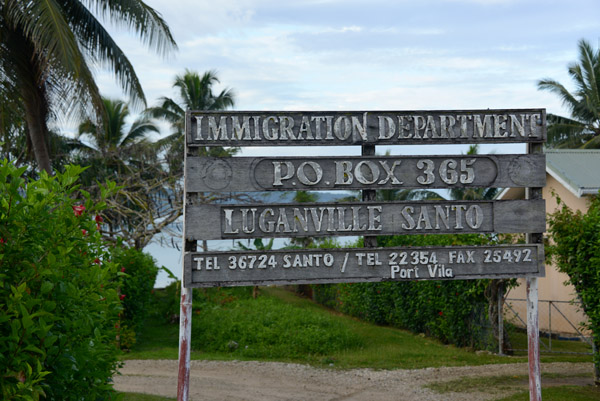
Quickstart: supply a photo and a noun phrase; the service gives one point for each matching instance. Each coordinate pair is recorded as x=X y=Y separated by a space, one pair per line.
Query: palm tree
x=109 y=143
x=195 y=93
x=112 y=149
x=47 y=48
x=582 y=129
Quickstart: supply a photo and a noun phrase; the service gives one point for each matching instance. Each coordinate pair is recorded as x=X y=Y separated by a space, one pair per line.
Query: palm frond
x=146 y=22
x=568 y=100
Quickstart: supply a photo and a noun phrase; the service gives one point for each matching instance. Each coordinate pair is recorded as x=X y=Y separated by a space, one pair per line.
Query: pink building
x=573 y=175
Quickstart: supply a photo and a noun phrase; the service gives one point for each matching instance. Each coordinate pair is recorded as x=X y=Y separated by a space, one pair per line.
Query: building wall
x=552 y=287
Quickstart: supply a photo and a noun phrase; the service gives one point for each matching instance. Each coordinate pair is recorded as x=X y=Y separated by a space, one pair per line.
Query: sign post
x=367 y=218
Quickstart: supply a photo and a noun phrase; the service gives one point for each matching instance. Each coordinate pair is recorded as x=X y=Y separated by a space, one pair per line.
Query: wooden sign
x=209 y=222
x=382 y=172
x=334 y=128
x=320 y=266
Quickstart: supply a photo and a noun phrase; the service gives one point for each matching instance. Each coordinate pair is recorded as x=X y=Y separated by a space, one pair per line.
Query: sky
x=366 y=55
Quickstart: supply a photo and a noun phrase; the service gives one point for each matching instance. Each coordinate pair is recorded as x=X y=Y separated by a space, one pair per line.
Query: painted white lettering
x=229 y=222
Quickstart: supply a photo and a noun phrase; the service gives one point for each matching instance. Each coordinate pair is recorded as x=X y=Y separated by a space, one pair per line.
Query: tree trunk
x=34 y=101
x=35 y=116
x=491 y=293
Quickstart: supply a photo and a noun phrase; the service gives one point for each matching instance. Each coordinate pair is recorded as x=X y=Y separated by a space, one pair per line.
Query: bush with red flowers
x=58 y=306
x=138 y=272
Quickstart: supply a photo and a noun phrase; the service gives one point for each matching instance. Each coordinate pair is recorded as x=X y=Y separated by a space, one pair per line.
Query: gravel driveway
x=274 y=381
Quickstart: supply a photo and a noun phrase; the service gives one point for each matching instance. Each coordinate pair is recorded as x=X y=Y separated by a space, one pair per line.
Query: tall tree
x=110 y=143
x=582 y=128
x=195 y=92
x=115 y=150
x=47 y=48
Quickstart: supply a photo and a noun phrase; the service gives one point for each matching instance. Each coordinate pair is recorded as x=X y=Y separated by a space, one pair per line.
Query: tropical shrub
x=139 y=274
x=574 y=248
x=59 y=300
x=452 y=311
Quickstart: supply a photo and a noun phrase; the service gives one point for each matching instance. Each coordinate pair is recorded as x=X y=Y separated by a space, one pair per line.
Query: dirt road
x=272 y=381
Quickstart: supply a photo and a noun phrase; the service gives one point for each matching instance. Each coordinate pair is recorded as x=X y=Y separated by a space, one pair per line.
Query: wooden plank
x=208 y=222
x=333 y=128
x=360 y=172
x=319 y=266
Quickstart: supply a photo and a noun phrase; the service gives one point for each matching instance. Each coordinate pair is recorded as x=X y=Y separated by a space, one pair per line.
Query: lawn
x=228 y=324
x=229 y=328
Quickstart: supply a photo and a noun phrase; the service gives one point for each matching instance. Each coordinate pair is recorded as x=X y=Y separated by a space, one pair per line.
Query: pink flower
x=122 y=270
x=122 y=297
x=98 y=219
x=78 y=209
x=2 y=241
x=440 y=313
x=84 y=232
x=97 y=261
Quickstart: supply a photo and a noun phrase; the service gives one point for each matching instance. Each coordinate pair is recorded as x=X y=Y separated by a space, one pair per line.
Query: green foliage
x=576 y=242
x=139 y=272
x=560 y=393
x=49 y=49
x=229 y=320
x=451 y=311
x=167 y=302
x=59 y=300
x=582 y=128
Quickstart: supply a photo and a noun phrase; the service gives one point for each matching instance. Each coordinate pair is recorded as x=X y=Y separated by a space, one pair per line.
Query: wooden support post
x=185 y=309
x=533 y=327
x=369 y=195
x=533 y=341
x=185 y=334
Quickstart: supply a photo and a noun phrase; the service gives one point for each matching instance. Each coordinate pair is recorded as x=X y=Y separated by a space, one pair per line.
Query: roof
x=577 y=169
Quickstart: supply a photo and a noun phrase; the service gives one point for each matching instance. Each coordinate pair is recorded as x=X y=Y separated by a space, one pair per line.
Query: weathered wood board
x=382 y=172
x=334 y=128
x=319 y=266
x=209 y=222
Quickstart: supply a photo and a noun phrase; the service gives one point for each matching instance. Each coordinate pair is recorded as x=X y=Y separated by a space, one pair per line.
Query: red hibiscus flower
x=78 y=209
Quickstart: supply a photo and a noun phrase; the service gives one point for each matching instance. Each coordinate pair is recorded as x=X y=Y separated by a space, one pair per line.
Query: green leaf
x=46 y=287
x=35 y=349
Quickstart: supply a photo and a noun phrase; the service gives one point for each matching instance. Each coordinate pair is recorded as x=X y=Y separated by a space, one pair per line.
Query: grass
x=500 y=384
x=519 y=341
x=560 y=393
x=367 y=345
x=378 y=347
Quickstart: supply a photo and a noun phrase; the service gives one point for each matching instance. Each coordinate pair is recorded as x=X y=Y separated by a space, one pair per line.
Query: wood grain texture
x=334 y=128
x=244 y=174
x=209 y=222
x=319 y=266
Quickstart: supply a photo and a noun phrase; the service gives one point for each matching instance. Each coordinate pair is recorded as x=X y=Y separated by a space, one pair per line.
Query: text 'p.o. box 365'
x=360 y=128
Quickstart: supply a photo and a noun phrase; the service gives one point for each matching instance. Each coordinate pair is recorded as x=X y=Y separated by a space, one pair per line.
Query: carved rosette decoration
x=216 y=174
x=520 y=169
